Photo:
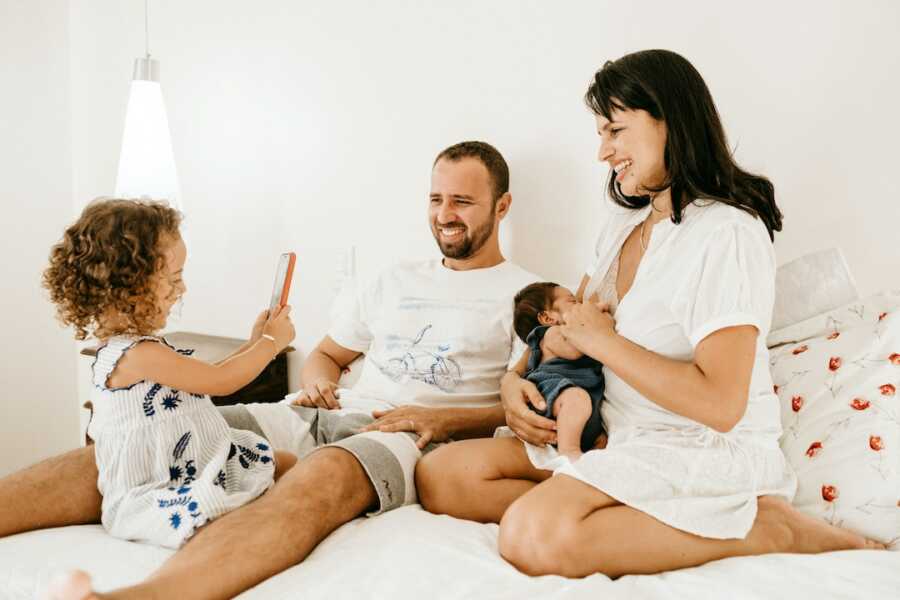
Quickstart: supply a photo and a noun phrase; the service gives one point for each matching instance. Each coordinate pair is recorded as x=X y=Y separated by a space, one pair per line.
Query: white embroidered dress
x=168 y=463
x=715 y=269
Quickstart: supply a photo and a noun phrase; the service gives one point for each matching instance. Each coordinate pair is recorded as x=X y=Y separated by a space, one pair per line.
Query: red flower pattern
x=888 y=389
x=860 y=404
x=834 y=363
x=797 y=403
x=834 y=335
x=882 y=316
x=800 y=349
x=775 y=388
x=894 y=358
x=813 y=449
x=829 y=493
x=875 y=443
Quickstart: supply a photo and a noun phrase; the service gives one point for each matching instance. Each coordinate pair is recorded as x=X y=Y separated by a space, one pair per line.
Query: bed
x=409 y=553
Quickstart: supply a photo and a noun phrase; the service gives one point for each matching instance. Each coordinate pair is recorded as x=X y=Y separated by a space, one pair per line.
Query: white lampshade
x=146 y=163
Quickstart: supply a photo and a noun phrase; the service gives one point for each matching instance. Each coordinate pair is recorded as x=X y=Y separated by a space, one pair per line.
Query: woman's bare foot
x=782 y=528
x=72 y=586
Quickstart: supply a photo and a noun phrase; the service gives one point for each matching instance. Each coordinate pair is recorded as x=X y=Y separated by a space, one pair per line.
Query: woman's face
x=633 y=143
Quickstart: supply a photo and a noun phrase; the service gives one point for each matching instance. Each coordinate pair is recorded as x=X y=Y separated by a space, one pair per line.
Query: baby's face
x=563 y=301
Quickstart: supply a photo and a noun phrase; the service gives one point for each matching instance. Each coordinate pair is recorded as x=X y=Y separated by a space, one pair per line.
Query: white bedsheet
x=409 y=553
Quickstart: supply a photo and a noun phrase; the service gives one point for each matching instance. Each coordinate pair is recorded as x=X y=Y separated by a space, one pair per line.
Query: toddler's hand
x=258 y=325
x=280 y=327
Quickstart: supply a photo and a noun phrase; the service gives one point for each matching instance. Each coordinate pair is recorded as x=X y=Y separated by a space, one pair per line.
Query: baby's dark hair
x=107 y=261
x=531 y=301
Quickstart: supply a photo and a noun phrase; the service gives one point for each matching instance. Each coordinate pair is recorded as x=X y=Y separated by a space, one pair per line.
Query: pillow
x=810 y=286
x=840 y=410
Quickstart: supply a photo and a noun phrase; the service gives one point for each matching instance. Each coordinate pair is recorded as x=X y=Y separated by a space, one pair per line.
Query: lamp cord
x=147 y=28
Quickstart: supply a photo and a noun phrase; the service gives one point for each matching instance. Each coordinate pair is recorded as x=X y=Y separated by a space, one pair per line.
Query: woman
x=692 y=470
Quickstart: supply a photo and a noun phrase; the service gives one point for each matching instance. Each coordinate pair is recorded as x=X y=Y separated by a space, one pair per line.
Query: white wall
x=37 y=357
x=312 y=126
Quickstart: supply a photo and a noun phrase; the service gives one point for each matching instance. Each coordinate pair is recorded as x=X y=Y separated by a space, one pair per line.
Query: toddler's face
x=170 y=285
x=563 y=301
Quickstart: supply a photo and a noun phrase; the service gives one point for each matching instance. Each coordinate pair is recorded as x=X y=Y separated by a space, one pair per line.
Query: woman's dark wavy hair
x=698 y=163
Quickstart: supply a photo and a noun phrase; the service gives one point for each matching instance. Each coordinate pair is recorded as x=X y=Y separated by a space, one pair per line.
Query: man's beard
x=470 y=242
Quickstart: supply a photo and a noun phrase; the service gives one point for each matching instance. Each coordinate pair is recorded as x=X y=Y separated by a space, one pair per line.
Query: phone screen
x=282 y=281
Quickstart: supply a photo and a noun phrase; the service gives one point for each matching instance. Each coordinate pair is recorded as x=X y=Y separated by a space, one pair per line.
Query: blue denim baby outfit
x=557 y=374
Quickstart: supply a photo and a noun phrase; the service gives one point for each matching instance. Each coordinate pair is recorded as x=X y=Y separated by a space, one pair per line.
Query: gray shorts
x=389 y=459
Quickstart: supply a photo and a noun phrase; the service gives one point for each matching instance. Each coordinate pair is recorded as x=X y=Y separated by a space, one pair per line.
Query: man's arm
x=321 y=372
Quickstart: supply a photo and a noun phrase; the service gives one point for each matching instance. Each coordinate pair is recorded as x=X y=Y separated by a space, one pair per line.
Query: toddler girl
x=168 y=463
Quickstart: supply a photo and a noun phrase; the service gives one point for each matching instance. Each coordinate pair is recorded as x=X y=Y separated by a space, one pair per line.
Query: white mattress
x=409 y=553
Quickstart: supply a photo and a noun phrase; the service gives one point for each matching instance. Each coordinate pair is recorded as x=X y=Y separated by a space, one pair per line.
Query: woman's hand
x=516 y=393
x=587 y=326
x=430 y=424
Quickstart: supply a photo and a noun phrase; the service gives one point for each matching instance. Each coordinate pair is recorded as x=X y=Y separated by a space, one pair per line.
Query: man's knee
x=334 y=474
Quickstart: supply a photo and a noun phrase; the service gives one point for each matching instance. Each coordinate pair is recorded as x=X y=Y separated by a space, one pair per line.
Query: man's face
x=461 y=209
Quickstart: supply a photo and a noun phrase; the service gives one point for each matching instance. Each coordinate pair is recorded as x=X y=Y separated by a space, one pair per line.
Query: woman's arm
x=713 y=389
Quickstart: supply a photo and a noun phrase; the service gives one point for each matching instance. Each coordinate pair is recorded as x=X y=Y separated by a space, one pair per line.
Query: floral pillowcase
x=838 y=383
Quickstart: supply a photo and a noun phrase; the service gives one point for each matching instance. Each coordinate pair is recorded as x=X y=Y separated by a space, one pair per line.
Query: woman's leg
x=567 y=527
x=476 y=479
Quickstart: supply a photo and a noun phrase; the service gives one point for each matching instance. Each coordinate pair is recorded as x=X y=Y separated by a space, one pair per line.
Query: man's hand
x=430 y=424
x=529 y=426
x=320 y=393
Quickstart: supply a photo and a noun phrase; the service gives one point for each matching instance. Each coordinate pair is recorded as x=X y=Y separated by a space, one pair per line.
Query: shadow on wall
x=552 y=226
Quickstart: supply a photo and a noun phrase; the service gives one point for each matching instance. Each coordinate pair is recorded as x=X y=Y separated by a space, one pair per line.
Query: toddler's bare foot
x=782 y=528
x=72 y=586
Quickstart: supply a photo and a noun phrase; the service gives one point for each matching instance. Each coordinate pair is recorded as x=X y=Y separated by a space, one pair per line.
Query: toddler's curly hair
x=106 y=263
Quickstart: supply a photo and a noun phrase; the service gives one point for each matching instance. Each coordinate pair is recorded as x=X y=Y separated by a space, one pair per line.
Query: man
x=437 y=336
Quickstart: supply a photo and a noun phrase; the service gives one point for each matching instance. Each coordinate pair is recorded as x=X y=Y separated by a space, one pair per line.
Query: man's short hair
x=489 y=156
x=530 y=302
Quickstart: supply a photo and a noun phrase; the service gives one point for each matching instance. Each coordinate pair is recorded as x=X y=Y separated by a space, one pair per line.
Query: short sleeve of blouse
x=732 y=283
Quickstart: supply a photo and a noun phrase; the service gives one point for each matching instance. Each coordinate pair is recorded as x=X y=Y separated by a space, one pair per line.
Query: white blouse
x=715 y=269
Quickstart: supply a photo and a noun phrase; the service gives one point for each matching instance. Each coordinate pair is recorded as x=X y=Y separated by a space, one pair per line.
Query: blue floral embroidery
x=262 y=447
x=181 y=446
x=185 y=351
x=220 y=480
x=174 y=473
x=171 y=401
x=149 y=410
x=175 y=520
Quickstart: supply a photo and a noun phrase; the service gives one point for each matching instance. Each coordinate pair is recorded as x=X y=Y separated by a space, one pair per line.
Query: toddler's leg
x=572 y=409
x=284 y=460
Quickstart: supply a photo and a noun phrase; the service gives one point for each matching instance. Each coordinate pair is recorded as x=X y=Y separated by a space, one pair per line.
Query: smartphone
x=283 y=276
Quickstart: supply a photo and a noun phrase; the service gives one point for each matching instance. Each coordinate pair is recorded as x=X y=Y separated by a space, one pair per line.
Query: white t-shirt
x=715 y=269
x=434 y=336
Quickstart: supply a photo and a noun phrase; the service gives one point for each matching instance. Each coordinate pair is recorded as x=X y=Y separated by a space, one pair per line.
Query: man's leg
x=276 y=531
x=58 y=491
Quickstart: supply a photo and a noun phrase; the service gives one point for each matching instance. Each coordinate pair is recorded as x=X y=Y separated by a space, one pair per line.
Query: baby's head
x=540 y=303
x=117 y=269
